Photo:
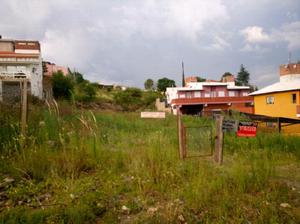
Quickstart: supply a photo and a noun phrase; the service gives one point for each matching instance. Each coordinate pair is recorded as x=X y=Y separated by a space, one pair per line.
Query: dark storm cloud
x=129 y=41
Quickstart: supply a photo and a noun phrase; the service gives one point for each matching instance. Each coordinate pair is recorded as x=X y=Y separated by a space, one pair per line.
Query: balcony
x=9 y=76
x=16 y=58
x=213 y=100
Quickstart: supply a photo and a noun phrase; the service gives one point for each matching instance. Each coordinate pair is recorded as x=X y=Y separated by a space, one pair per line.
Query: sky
x=129 y=41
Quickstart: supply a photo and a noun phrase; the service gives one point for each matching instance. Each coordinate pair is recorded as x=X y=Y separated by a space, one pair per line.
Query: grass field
x=107 y=167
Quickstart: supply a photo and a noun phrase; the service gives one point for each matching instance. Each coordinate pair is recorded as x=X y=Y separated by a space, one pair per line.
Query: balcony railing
x=19 y=60
x=13 y=75
x=213 y=100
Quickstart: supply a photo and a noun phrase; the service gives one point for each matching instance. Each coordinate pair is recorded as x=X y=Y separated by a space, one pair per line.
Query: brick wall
x=292 y=68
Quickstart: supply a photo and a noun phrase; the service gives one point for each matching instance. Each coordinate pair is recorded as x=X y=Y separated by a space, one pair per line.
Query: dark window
x=248 y=104
x=294 y=98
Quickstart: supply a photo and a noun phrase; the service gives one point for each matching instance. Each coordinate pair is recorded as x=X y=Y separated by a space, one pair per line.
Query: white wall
x=33 y=71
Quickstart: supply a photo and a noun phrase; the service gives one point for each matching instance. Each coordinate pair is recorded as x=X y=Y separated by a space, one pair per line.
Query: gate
x=198 y=141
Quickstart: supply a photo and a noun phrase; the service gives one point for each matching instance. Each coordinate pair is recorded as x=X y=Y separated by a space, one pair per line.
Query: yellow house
x=281 y=99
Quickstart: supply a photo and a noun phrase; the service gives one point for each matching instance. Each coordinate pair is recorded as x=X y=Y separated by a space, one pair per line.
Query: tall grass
x=115 y=167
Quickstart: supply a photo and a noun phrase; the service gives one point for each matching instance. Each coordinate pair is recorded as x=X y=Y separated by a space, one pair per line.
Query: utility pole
x=183 y=78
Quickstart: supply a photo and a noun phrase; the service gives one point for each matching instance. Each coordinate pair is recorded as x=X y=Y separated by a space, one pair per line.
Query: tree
x=243 y=77
x=62 y=86
x=226 y=74
x=149 y=84
x=163 y=83
x=200 y=79
x=85 y=91
x=130 y=99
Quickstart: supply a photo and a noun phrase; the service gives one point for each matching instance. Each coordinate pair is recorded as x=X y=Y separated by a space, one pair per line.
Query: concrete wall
x=34 y=73
x=7 y=46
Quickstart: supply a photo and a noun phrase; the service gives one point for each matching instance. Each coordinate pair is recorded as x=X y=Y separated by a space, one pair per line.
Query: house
x=20 y=59
x=281 y=99
x=48 y=70
x=210 y=97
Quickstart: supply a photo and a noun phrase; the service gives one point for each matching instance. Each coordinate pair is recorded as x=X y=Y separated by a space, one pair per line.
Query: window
x=197 y=94
x=181 y=95
x=188 y=95
x=231 y=93
x=206 y=95
x=244 y=94
x=221 y=93
x=270 y=99
x=294 y=98
x=213 y=94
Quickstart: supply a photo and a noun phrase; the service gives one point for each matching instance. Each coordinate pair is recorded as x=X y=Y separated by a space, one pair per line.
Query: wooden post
x=219 y=140
x=24 y=107
x=183 y=140
x=180 y=134
x=279 y=124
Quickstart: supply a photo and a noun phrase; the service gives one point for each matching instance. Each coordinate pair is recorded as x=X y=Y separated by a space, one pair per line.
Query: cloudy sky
x=128 y=41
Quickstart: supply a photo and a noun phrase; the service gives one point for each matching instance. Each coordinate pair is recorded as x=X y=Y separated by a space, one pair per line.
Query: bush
x=129 y=99
x=85 y=92
x=62 y=86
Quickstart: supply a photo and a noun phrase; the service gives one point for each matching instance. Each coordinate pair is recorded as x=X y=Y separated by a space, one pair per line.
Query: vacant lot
x=106 y=167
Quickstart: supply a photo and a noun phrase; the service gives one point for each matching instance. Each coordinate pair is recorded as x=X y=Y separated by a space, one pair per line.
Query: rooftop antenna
x=183 y=78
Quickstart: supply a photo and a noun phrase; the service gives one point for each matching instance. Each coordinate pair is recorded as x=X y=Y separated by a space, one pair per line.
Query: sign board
x=153 y=114
x=229 y=125
x=246 y=129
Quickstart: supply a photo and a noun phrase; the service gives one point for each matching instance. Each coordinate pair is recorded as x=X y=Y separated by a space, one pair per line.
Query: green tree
x=129 y=99
x=163 y=83
x=200 y=79
x=243 y=77
x=62 y=86
x=226 y=74
x=85 y=91
x=149 y=84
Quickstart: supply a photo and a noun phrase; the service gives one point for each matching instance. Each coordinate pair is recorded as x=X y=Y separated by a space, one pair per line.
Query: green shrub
x=130 y=99
x=62 y=86
x=85 y=92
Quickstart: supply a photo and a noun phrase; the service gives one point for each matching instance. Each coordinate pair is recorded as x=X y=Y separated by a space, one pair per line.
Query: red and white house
x=20 y=59
x=210 y=97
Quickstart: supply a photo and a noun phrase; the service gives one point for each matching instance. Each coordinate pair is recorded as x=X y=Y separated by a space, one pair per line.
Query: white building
x=21 y=59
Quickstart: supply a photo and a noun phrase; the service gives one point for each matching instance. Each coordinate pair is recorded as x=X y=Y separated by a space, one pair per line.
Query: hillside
x=80 y=166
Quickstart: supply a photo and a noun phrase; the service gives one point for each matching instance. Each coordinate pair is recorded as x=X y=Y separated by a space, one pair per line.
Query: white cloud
x=255 y=34
x=256 y=39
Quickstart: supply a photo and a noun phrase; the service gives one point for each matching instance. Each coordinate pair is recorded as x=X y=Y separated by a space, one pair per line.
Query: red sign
x=246 y=129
